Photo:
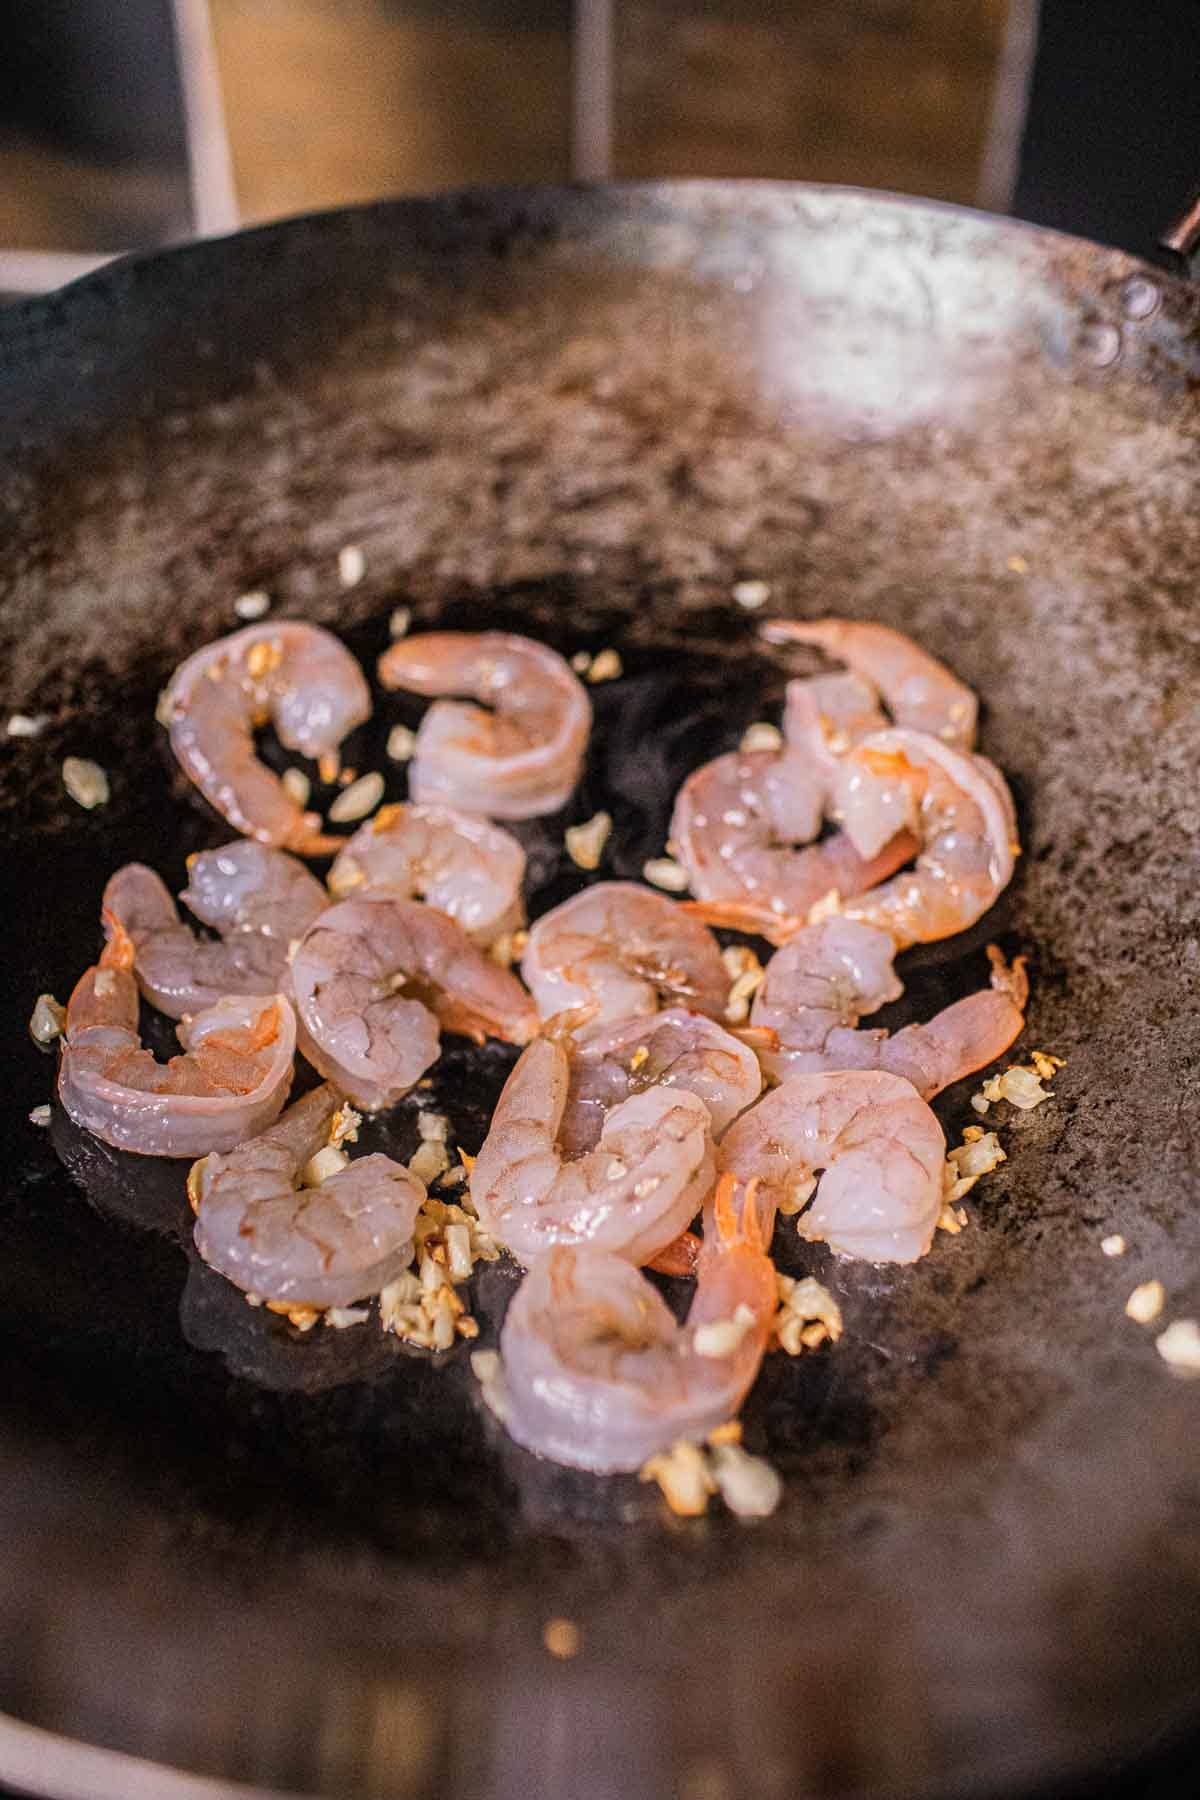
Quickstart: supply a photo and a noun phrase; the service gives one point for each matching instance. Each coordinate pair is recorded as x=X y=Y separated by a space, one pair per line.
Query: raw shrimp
x=623 y=951
x=597 y=1373
x=921 y=693
x=230 y=1083
x=451 y=860
x=321 y=1246
x=373 y=978
x=735 y=826
x=881 y=1149
x=968 y=832
x=646 y=1177
x=298 y=677
x=829 y=975
x=259 y=899
x=678 y=1050
x=519 y=759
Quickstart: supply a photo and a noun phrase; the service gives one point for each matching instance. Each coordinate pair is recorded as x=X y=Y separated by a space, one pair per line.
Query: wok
x=314 y=1565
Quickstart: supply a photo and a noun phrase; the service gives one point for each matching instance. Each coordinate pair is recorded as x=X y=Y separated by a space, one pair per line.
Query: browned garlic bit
x=561 y=1637
x=808 y=1315
x=421 y=1306
x=1020 y=1084
x=689 y=1474
x=746 y=974
x=585 y=843
x=605 y=666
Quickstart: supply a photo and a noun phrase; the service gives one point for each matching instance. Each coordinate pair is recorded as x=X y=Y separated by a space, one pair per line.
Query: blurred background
x=128 y=123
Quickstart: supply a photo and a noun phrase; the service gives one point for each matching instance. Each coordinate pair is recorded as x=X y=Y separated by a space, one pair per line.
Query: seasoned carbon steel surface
x=313 y=1562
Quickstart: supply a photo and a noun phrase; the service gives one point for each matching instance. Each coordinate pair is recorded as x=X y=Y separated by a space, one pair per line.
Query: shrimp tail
x=1011 y=980
x=467 y=1021
x=118 y=952
x=737 y=1225
x=742 y=915
x=307 y=839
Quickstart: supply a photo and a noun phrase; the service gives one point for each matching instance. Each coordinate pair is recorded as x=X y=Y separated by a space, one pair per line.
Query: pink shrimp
x=921 y=693
x=257 y=898
x=452 y=860
x=624 y=951
x=631 y=1192
x=829 y=975
x=326 y=1245
x=231 y=1082
x=595 y=1371
x=880 y=1147
x=375 y=978
x=517 y=761
x=294 y=675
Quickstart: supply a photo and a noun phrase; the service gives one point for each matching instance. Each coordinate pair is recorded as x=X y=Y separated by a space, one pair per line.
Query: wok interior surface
x=316 y=1564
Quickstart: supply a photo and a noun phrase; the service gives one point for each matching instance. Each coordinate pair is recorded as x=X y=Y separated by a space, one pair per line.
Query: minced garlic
x=761 y=736
x=1146 y=1302
x=684 y=1476
x=1179 y=1345
x=806 y=1316
x=749 y=1486
x=664 y=872
x=605 y=666
x=85 y=781
x=585 y=843
x=359 y=799
x=47 y=1020
x=721 y=1337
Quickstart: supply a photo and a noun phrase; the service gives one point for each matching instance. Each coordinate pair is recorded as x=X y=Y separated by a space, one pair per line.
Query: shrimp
x=968 y=835
x=631 y=1194
x=257 y=898
x=735 y=826
x=623 y=950
x=826 y=977
x=460 y=864
x=679 y=1050
x=375 y=977
x=519 y=760
x=879 y=1145
x=920 y=692
x=597 y=1373
x=322 y=1246
x=231 y=1082
x=298 y=677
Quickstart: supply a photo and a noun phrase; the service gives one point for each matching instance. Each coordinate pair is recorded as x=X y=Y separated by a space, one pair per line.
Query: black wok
x=313 y=1565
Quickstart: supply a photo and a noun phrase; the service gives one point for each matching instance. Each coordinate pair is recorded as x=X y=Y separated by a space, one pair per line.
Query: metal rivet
x=1139 y=297
x=1100 y=343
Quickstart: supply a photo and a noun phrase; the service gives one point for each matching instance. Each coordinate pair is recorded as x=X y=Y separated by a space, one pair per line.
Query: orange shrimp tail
x=1010 y=980
x=680 y=1257
x=755 y=1037
x=742 y=915
x=734 y=1227
x=466 y=1021
x=306 y=838
x=118 y=952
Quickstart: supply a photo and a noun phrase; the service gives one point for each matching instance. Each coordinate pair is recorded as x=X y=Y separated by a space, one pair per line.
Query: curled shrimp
x=519 y=760
x=624 y=951
x=257 y=898
x=459 y=863
x=597 y=1373
x=685 y=1052
x=921 y=693
x=320 y=1246
x=231 y=1082
x=736 y=826
x=631 y=1193
x=830 y=975
x=968 y=838
x=374 y=978
x=879 y=1145
x=294 y=675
